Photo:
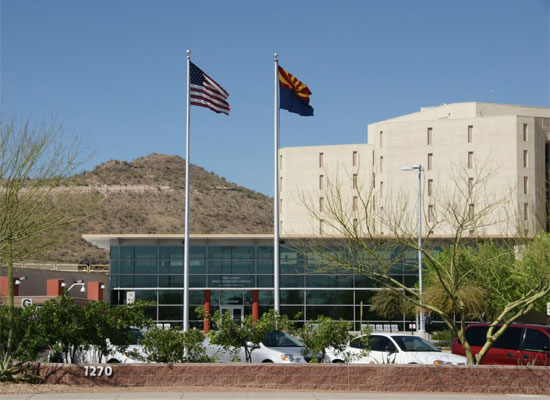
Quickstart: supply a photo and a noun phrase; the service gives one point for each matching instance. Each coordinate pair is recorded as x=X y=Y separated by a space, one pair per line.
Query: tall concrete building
x=489 y=158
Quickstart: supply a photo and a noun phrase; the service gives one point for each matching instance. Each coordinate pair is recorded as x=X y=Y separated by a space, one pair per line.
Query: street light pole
x=418 y=167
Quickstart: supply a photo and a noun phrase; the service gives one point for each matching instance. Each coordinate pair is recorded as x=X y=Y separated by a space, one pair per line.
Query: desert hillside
x=147 y=196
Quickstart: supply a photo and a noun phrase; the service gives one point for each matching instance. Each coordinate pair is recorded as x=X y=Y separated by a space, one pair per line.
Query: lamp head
x=411 y=167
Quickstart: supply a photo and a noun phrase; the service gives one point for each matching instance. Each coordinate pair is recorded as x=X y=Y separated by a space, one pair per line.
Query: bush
x=168 y=346
x=442 y=338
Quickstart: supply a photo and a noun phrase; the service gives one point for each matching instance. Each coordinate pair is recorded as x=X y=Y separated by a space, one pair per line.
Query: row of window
x=354 y=159
x=197 y=252
x=265 y=297
x=469 y=137
x=174 y=314
x=253 y=281
x=429 y=158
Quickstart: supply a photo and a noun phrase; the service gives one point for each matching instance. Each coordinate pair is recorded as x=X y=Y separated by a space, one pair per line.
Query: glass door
x=237 y=312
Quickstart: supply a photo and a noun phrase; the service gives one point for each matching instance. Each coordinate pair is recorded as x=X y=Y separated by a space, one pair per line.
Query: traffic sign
x=130 y=297
x=25 y=302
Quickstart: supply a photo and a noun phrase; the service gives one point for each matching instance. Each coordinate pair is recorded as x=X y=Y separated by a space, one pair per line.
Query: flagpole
x=186 y=239
x=276 y=193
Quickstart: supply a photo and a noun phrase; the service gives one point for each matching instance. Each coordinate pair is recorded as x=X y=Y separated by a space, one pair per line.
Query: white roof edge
x=103 y=241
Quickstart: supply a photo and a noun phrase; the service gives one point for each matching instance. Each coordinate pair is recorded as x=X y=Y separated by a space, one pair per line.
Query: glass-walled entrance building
x=235 y=273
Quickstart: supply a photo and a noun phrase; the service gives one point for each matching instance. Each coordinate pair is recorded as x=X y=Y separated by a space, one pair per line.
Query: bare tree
x=376 y=239
x=33 y=162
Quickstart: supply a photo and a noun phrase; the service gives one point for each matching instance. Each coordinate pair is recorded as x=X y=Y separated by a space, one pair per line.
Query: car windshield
x=281 y=339
x=413 y=343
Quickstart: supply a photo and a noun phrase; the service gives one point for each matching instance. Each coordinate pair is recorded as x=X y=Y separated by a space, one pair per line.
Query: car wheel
x=338 y=362
x=113 y=361
x=267 y=361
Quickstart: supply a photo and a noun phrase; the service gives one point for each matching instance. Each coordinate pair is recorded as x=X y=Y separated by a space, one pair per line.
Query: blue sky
x=114 y=71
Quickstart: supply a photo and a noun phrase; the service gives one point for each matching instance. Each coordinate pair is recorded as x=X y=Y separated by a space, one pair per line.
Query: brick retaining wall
x=364 y=378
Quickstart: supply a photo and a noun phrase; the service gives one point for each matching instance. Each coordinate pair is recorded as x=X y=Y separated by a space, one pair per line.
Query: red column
x=4 y=286
x=53 y=287
x=95 y=291
x=255 y=305
x=207 y=305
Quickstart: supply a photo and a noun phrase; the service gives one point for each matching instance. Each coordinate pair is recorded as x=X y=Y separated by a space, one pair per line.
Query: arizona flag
x=293 y=94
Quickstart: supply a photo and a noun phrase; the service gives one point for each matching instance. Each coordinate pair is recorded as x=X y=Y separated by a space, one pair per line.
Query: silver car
x=277 y=347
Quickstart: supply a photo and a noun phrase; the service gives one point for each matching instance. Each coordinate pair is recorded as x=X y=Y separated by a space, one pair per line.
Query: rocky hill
x=147 y=196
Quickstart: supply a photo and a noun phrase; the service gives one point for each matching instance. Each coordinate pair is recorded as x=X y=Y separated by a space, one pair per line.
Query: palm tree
x=390 y=304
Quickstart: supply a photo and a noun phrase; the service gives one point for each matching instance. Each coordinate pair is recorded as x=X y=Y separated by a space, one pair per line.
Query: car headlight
x=441 y=362
x=291 y=357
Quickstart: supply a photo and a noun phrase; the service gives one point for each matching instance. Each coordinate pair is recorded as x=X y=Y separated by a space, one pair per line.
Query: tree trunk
x=11 y=310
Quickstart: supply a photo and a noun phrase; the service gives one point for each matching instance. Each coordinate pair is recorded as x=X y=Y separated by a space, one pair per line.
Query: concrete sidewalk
x=263 y=396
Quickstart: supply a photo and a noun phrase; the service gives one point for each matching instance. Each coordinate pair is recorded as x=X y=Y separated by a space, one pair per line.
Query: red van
x=520 y=344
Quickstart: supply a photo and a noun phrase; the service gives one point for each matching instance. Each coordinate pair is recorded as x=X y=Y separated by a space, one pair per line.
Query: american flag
x=205 y=92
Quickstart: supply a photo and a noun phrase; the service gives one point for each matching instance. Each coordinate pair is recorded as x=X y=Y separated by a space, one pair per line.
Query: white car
x=387 y=348
x=277 y=347
x=133 y=354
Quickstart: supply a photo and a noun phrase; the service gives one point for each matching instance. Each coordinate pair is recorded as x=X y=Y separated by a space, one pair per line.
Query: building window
x=525 y=184
x=355 y=224
x=321 y=182
x=525 y=211
x=430 y=186
x=321 y=204
x=281 y=204
x=429 y=136
x=471 y=211
x=430 y=156
x=321 y=160
x=430 y=213
x=354 y=203
x=373 y=180
x=373 y=203
x=470 y=159
x=373 y=158
x=470 y=186
x=280 y=184
x=525 y=159
x=381 y=137
x=355 y=181
x=381 y=164
x=281 y=162
x=354 y=159
x=470 y=133
x=321 y=223
x=381 y=187
x=525 y=132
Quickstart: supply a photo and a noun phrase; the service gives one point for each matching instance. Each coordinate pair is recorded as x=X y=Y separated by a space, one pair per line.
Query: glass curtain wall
x=308 y=288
